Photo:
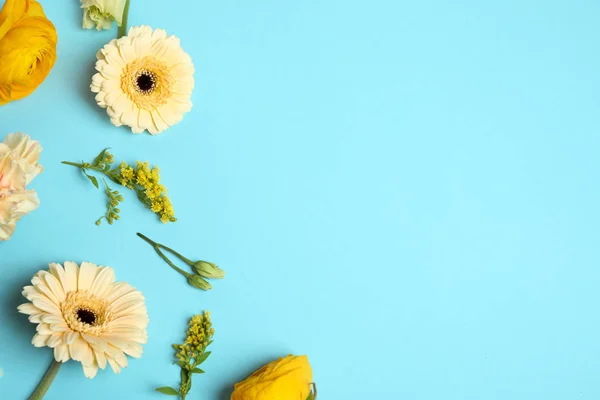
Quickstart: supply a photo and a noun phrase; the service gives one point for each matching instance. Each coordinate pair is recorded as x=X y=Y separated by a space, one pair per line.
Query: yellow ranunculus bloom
x=27 y=48
x=288 y=378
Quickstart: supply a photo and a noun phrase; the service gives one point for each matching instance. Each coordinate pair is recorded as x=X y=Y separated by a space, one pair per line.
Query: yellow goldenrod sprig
x=191 y=353
x=202 y=270
x=142 y=179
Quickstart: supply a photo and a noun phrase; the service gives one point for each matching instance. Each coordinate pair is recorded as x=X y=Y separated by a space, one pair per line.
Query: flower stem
x=73 y=164
x=123 y=27
x=46 y=381
x=184 y=259
x=162 y=255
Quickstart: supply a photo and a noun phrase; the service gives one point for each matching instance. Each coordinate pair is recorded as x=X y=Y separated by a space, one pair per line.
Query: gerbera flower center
x=86 y=313
x=86 y=316
x=147 y=82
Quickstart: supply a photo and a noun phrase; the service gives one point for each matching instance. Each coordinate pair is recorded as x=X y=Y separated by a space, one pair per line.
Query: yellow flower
x=27 y=48
x=288 y=378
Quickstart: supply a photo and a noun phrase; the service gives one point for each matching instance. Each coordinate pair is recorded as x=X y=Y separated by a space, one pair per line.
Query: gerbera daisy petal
x=90 y=371
x=113 y=365
x=149 y=70
x=87 y=273
x=28 y=308
x=39 y=340
x=72 y=276
x=61 y=353
x=102 y=281
x=85 y=315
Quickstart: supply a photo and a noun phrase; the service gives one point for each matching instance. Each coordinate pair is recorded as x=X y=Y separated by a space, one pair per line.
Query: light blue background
x=406 y=191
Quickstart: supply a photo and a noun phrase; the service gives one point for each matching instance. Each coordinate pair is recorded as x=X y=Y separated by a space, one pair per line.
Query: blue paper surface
x=405 y=191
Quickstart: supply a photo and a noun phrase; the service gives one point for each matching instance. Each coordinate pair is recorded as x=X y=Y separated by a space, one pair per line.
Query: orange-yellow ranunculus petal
x=288 y=378
x=27 y=48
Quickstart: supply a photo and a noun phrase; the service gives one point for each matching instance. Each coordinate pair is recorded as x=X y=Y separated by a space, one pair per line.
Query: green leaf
x=184 y=375
x=168 y=391
x=180 y=363
x=200 y=359
x=100 y=156
x=92 y=179
x=197 y=371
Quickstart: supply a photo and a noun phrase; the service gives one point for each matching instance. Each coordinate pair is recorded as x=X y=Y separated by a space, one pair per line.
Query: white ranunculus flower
x=19 y=157
x=102 y=13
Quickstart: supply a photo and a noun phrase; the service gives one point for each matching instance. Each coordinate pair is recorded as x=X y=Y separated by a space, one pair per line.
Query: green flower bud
x=197 y=282
x=208 y=270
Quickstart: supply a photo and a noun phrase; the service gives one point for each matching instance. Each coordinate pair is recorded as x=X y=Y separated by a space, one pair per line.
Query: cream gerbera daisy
x=144 y=80
x=84 y=315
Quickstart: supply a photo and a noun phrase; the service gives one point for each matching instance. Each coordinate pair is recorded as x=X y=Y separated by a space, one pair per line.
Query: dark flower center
x=146 y=82
x=86 y=316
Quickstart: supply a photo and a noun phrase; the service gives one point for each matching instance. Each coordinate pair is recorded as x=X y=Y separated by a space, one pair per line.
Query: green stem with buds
x=46 y=381
x=157 y=247
x=123 y=27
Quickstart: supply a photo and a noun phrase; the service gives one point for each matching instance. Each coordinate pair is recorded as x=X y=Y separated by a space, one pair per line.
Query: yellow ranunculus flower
x=288 y=378
x=27 y=48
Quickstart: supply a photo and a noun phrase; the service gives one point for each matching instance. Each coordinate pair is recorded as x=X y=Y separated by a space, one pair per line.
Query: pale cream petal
x=54 y=339
x=61 y=353
x=134 y=350
x=170 y=113
x=45 y=304
x=183 y=71
x=123 y=104
x=108 y=71
x=112 y=55
x=41 y=286
x=54 y=284
x=90 y=370
x=39 y=340
x=139 y=321
x=28 y=308
x=112 y=97
x=59 y=273
x=160 y=124
x=145 y=120
x=127 y=52
x=158 y=35
x=117 y=355
x=36 y=318
x=44 y=329
x=72 y=276
x=87 y=273
x=100 y=358
x=80 y=351
x=97 y=82
x=118 y=290
x=96 y=342
x=111 y=85
x=53 y=319
x=70 y=337
x=129 y=116
x=122 y=305
x=114 y=113
x=114 y=365
x=103 y=280
x=100 y=99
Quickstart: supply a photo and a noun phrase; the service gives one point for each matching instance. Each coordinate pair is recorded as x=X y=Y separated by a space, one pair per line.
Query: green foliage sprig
x=202 y=270
x=191 y=353
x=142 y=179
